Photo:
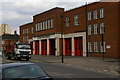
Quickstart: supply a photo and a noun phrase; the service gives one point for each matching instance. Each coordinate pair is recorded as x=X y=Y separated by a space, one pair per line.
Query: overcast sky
x=19 y=12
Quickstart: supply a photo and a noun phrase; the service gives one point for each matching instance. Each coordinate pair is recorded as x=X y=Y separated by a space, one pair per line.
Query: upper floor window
x=95 y=46
x=95 y=14
x=26 y=30
x=46 y=24
x=102 y=13
x=102 y=28
x=67 y=21
x=23 y=31
x=76 y=20
x=32 y=30
x=95 y=28
x=89 y=29
x=89 y=15
x=51 y=23
x=36 y=27
x=89 y=46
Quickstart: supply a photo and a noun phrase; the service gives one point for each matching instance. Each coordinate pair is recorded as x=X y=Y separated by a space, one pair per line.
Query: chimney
x=15 y=32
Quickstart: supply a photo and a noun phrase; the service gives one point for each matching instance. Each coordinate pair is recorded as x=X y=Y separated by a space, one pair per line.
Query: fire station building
x=88 y=30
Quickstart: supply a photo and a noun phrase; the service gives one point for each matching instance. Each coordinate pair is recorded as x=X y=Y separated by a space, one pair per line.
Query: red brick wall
x=29 y=34
x=81 y=12
x=54 y=14
x=111 y=28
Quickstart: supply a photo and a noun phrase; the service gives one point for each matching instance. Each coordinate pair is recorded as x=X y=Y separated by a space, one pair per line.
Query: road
x=60 y=71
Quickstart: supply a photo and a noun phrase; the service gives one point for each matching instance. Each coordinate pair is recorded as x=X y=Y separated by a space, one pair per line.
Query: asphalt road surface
x=64 y=72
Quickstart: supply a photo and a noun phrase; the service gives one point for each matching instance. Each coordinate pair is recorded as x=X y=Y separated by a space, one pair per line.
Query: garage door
x=52 y=46
x=44 y=47
x=78 y=44
x=36 y=47
x=68 y=47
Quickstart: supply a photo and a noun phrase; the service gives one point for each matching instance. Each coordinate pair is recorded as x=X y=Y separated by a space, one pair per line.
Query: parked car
x=30 y=71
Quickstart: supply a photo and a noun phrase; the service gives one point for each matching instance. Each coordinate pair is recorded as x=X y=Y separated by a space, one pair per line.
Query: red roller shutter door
x=52 y=46
x=36 y=47
x=68 y=47
x=78 y=46
x=44 y=47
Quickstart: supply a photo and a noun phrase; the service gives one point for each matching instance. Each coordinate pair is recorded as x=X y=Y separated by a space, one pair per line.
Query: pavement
x=108 y=66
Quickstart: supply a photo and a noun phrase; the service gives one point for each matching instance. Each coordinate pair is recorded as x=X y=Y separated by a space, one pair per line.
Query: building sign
x=108 y=46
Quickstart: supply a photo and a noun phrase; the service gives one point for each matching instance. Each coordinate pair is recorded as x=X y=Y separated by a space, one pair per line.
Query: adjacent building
x=9 y=39
x=89 y=30
x=5 y=29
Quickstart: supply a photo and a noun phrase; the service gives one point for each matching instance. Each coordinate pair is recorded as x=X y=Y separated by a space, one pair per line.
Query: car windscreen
x=26 y=71
x=24 y=46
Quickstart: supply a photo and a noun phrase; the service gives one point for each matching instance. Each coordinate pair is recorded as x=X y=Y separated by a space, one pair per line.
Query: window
x=102 y=13
x=26 y=38
x=51 y=23
x=89 y=15
x=32 y=30
x=102 y=46
x=46 y=24
x=76 y=20
x=23 y=31
x=95 y=46
x=95 y=28
x=95 y=14
x=36 y=27
x=26 y=30
x=89 y=29
x=41 y=26
x=89 y=46
x=102 y=28
x=68 y=22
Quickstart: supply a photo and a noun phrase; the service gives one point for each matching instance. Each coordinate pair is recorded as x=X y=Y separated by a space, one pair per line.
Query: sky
x=18 y=12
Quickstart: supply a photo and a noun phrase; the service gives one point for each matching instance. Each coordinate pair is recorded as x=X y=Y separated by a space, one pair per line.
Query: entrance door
x=44 y=47
x=36 y=47
x=78 y=46
x=68 y=47
x=52 y=46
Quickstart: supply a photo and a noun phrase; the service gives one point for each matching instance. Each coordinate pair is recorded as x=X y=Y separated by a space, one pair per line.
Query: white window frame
x=89 y=29
x=67 y=21
x=102 y=28
x=102 y=13
x=48 y=24
x=23 y=31
x=102 y=48
x=43 y=23
x=96 y=49
x=95 y=14
x=51 y=23
x=36 y=27
x=95 y=28
x=32 y=30
x=76 y=20
x=89 y=15
x=89 y=46
x=41 y=26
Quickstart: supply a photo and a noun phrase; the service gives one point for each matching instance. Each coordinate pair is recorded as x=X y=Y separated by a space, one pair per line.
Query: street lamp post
x=102 y=45
x=62 y=58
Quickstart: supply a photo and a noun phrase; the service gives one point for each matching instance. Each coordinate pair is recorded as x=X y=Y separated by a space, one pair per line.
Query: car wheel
x=19 y=58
